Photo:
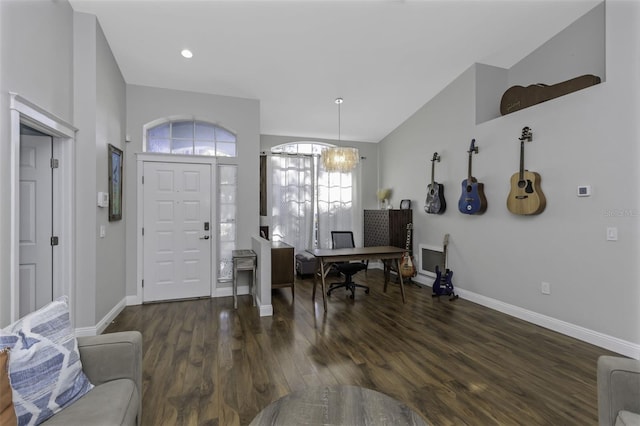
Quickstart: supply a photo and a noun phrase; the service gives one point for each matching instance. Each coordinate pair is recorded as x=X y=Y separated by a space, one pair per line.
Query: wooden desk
x=326 y=257
x=337 y=406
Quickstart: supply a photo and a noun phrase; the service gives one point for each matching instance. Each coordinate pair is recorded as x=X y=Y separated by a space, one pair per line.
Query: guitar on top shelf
x=525 y=196
x=435 y=203
x=472 y=200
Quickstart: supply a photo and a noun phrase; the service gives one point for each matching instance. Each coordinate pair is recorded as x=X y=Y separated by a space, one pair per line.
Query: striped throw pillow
x=45 y=371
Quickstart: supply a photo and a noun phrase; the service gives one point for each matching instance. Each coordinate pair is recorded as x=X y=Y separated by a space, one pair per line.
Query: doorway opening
x=62 y=136
x=36 y=220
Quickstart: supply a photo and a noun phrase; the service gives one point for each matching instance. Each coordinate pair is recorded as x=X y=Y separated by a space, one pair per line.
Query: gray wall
x=99 y=116
x=110 y=129
x=588 y=137
x=242 y=116
x=60 y=61
x=36 y=62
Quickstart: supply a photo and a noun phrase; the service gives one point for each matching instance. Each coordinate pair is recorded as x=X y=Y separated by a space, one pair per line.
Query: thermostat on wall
x=584 y=190
x=103 y=199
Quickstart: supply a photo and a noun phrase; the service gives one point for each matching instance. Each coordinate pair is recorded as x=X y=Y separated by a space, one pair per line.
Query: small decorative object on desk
x=383 y=197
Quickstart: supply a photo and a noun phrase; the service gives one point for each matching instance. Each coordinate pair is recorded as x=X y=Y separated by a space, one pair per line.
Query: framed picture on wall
x=115 y=183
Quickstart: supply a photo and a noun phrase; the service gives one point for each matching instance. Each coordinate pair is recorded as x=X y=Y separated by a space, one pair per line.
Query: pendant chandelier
x=338 y=158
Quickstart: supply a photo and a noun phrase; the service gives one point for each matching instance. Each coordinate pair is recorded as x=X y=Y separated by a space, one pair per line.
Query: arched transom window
x=191 y=137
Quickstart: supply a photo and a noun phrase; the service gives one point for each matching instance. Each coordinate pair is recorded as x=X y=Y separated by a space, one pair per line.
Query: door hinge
x=55 y=163
x=54 y=241
x=143 y=232
x=142 y=283
x=143 y=180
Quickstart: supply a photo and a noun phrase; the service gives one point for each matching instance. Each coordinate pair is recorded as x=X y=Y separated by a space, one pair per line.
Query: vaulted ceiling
x=386 y=58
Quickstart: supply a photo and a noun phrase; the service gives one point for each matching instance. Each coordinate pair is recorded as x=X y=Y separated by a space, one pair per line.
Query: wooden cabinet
x=387 y=228
x=282 y=266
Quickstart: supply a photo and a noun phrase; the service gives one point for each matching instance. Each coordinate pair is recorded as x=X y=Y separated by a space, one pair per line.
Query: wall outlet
x=545 y=288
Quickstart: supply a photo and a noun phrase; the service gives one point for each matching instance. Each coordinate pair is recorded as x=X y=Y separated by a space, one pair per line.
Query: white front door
x=36 y=262
x=177 y=231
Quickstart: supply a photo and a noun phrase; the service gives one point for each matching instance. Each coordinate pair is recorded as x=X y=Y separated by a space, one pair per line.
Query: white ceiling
x=386 y=58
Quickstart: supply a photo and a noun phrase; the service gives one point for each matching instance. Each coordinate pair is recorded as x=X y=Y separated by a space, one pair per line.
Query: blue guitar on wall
x=472 y=200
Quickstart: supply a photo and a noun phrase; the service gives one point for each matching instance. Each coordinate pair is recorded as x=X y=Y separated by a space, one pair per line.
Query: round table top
x=335 y=406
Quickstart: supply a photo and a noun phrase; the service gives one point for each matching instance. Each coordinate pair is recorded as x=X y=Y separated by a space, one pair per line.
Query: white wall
x=587 y=137
x=35 y=62
x=242 y=116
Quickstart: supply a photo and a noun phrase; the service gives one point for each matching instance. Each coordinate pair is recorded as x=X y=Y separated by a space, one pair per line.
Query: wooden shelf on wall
x=577 y=50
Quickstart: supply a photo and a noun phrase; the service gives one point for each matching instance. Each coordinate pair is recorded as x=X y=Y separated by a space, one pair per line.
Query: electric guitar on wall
x=525 y=196
x=435 y=203
x=408 y=264
x=472 y=200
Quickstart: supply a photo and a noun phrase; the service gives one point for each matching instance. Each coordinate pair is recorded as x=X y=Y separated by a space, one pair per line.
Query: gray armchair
x=618 y=391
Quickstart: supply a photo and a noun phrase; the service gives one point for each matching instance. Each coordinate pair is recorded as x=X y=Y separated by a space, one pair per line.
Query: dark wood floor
x=456 y=363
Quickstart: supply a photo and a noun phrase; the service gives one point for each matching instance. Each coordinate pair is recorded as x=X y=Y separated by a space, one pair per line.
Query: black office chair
x=344 y=239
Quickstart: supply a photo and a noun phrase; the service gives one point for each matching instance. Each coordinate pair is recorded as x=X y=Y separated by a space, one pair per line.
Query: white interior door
x=177 y=231
x=36 y=255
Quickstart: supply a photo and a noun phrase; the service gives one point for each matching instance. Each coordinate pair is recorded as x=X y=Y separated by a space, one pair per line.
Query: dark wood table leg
x=385 y=264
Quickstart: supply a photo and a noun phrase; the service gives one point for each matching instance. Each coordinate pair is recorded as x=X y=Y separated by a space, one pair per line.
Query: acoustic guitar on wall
x=472 y=200
x=435 y=203
x=525 y=196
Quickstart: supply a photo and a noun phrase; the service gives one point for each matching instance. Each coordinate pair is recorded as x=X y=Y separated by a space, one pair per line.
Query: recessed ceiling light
x=187 y=53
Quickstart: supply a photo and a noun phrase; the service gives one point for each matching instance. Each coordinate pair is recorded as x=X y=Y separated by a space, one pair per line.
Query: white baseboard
x=266 y=310
x=104 y=322
x=133 y=300
x=228 y=291
x=601 y=340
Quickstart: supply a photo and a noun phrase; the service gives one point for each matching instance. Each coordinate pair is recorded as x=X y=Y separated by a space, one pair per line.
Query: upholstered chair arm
x=618 y=388
x=113 y=356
